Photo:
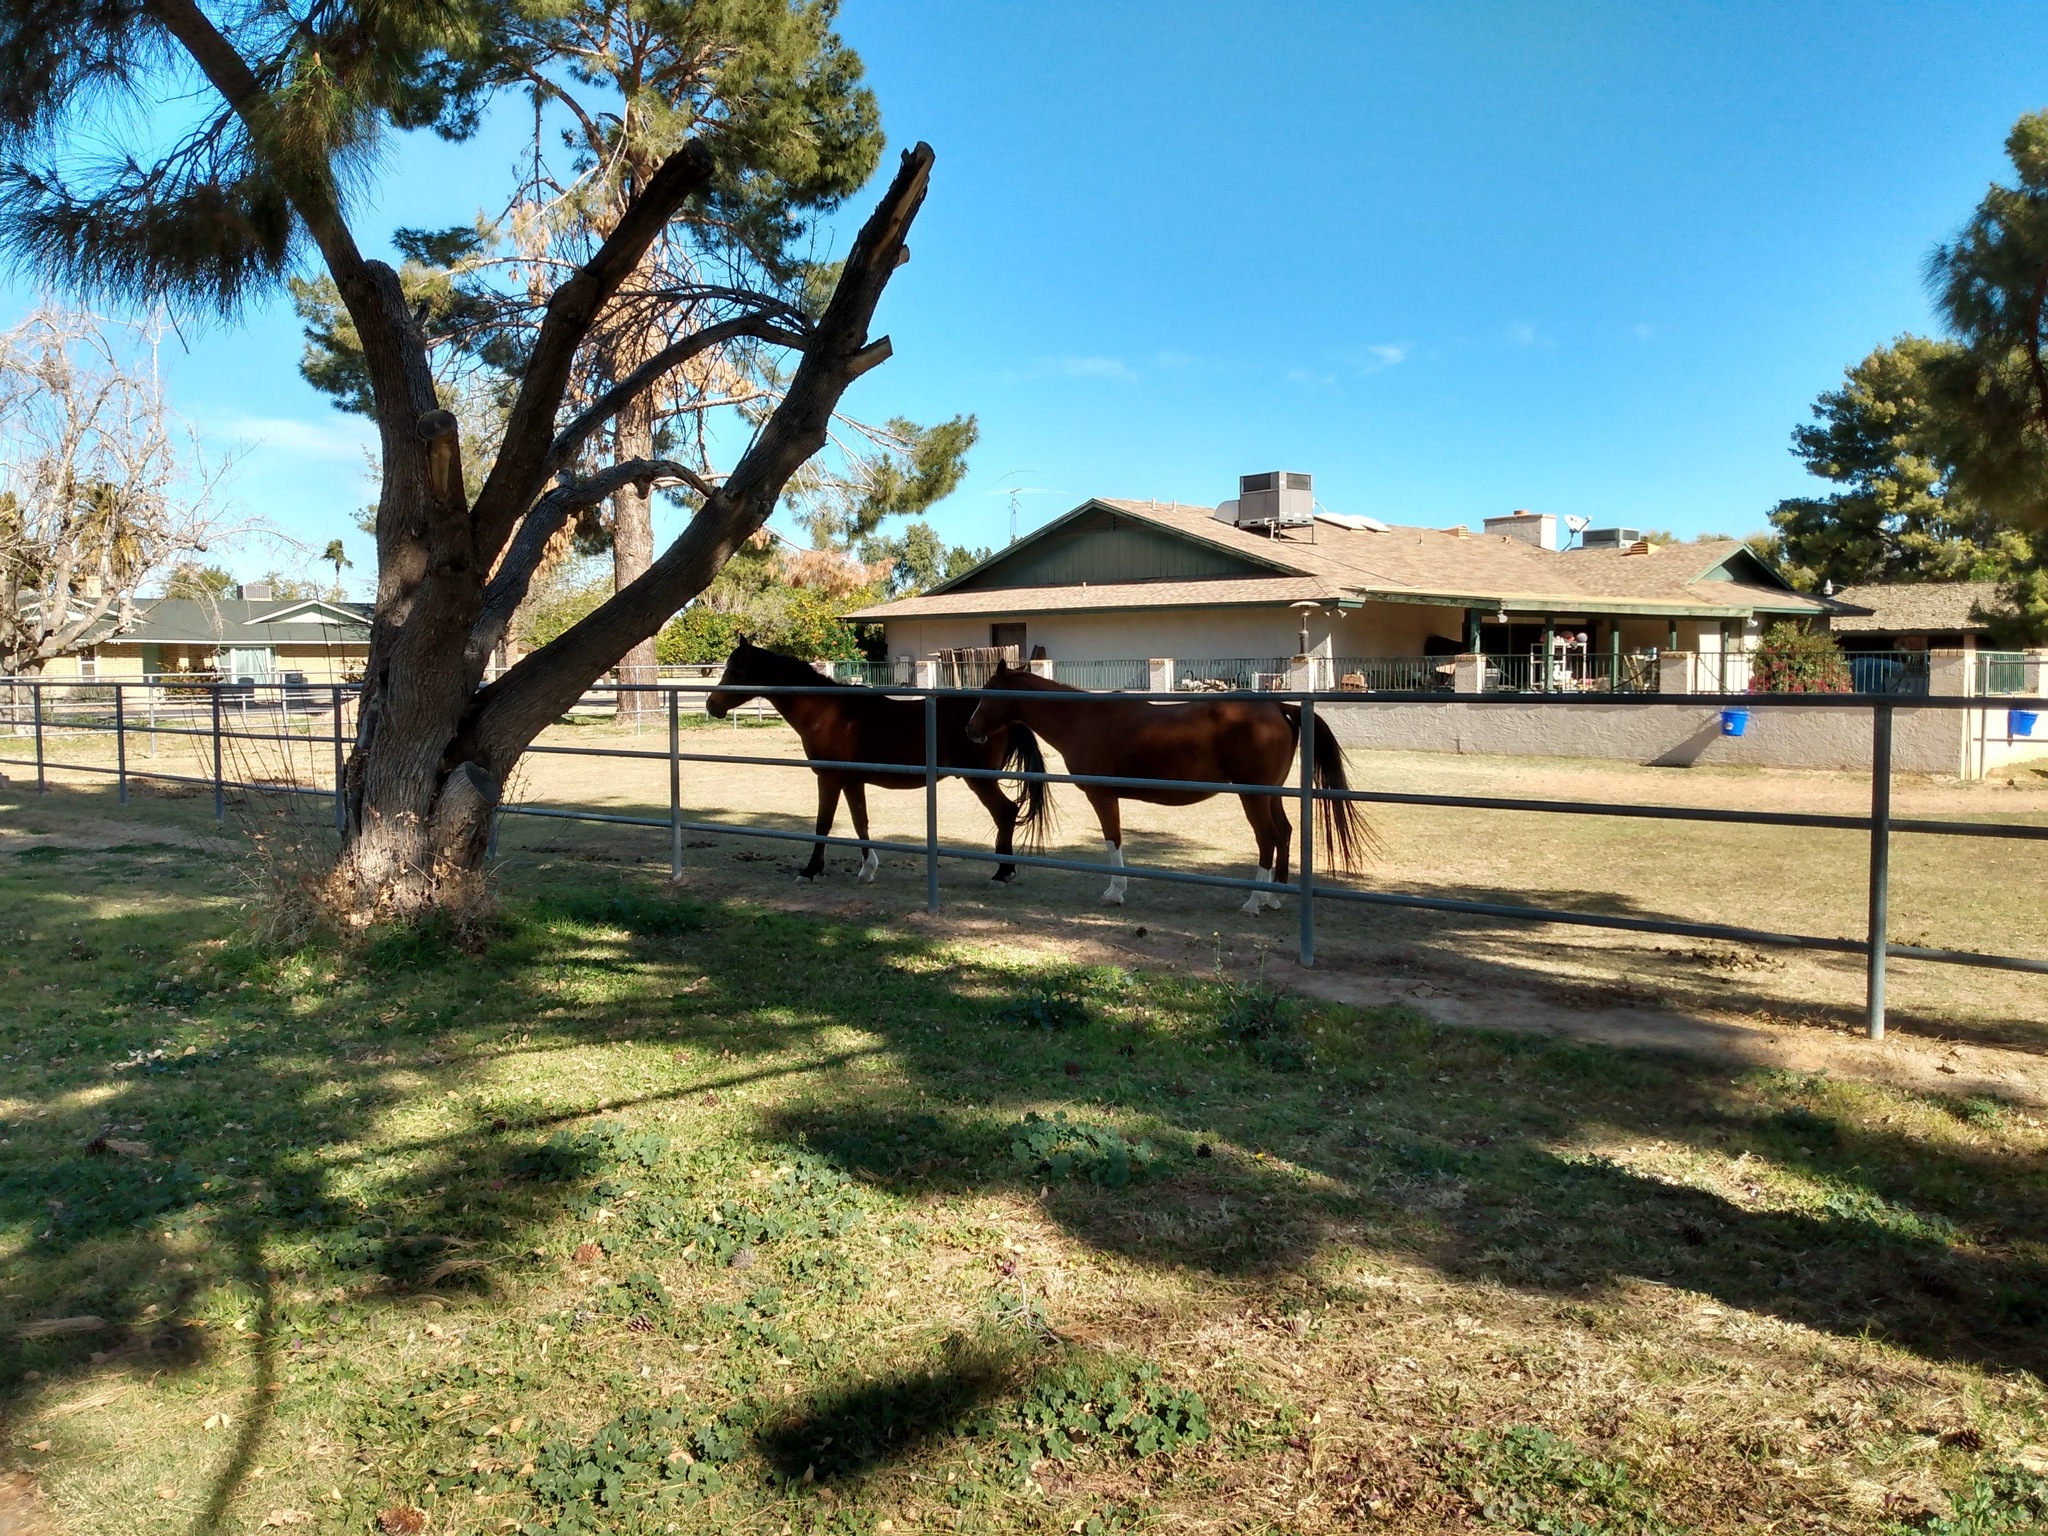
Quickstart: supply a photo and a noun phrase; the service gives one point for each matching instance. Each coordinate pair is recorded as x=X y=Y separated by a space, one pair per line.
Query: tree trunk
x=632 y=554
x=435 y=743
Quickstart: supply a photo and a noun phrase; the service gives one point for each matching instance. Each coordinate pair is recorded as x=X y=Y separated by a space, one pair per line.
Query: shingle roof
x=1221 y=592
x=1911 y=608
x=242 y=621
x=1413 y=564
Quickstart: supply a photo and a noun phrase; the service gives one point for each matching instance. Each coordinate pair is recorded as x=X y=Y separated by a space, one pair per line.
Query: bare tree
x=96 y=497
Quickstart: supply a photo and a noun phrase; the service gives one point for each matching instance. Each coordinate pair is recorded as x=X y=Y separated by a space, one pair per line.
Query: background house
x=1138 y=579
x=248 y=636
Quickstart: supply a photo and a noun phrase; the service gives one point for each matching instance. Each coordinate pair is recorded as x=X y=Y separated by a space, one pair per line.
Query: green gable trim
x=1098 y=545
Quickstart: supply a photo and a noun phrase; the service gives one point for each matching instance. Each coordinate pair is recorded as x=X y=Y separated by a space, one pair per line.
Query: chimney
x=1537 y=528
x=254 y=591
x=1459 y=532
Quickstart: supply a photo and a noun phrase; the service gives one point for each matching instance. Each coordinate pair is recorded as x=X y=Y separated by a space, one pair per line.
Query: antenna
x=1013 y=492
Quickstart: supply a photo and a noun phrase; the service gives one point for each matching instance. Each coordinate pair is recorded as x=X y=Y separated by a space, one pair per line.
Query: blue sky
x=1451 y=259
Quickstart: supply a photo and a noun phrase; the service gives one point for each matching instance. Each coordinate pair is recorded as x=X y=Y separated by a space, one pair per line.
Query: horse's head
x=742 y=675
x=992 y=715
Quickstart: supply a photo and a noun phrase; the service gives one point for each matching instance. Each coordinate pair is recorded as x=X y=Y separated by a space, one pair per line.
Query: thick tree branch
x=573 y=436
x=514 y=577
x=509 y=713
x=369 y=289
x=529 y=427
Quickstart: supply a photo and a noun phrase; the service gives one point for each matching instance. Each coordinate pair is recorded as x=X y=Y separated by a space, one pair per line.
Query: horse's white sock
x=869 y=863
x=1255 y=903
x=1114 y=895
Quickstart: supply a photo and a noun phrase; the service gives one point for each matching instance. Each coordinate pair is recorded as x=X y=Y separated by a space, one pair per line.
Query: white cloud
x=1386 y=354
x=1310 y=376
x=337 y=437
x=1522 y=334
x=1089 y=368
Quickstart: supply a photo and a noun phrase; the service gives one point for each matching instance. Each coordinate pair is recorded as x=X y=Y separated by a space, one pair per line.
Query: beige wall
x=1675 y=735
x=1379 y=629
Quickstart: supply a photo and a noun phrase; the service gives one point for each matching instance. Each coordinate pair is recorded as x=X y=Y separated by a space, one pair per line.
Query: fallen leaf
x=286 y=1517
x=588 y=1253
x=166 y=1491
x=216 y=1421
x=40 y=1445
x=402 y=1520
x=47 y=1327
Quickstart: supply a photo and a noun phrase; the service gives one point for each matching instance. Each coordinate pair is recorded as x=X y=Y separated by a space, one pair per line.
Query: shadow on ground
x=177 y=1130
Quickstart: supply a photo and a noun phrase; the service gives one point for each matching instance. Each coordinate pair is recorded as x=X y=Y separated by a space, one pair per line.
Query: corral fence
x=317 y=719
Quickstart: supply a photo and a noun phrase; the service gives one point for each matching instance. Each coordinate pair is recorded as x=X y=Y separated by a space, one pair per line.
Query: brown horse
x=1216 y=741
x=848 y=724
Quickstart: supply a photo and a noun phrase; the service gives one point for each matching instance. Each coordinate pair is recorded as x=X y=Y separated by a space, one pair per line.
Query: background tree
x=336 y=555
x=295 y=98
x=95 y=497
x=616 y=85
x=1883 y=436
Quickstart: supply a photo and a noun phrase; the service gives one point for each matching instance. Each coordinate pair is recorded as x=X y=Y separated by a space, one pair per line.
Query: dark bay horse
x=1216 y=741
x=849 y=724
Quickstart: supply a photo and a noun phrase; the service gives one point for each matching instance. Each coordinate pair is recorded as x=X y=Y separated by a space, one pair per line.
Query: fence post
x=675 y=786
x=151 y=689
x=340 y=811
x=931 y=801
x=1305 y=867
x=220 y=808
x=1880 y=859
x=120 y=747
x=35 y=695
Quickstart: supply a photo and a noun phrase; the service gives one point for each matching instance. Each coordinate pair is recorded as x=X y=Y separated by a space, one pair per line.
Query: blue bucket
x=2020 y=722
x=1734 y=722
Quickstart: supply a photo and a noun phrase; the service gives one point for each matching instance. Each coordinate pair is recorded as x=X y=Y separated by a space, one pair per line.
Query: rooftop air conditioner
x=1279 y=499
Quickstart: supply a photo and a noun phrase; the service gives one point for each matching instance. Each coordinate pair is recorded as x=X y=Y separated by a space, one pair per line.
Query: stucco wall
x=1676 y=735
x=1380 y=629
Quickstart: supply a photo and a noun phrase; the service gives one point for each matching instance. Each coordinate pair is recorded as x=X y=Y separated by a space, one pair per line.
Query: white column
x=926 y=673
x=1159 y=672
x=1468 y=673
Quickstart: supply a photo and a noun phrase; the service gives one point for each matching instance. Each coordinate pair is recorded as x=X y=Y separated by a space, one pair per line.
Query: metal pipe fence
x=294 y=723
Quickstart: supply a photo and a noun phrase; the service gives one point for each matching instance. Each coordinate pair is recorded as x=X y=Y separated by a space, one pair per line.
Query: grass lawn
x=675 y=1212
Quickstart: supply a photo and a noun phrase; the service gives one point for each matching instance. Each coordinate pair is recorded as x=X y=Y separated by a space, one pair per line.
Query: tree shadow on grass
x=1440 y=1145
x=855 y=1428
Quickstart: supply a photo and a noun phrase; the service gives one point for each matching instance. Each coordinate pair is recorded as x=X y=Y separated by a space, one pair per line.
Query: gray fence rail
x=294 y=710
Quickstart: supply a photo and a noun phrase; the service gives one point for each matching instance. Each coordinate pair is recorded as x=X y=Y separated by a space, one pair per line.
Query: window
x=1000 y=635
x=89 y=662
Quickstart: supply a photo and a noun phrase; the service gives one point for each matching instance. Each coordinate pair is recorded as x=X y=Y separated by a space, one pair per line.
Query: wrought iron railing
x=1892 y=673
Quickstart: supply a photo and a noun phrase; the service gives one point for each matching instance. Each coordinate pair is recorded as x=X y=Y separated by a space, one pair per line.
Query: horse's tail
x=1036 y=800
x=1348 y=838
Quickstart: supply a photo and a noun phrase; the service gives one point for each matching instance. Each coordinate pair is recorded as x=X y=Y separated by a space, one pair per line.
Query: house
x=248 y=636
x=1258 y=580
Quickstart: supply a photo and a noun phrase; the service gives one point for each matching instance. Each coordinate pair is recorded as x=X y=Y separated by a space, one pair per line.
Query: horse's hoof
x=805 y=879
x=1112 y=898
x=1009 y=879
x=1253 y=907
x=1273 y=903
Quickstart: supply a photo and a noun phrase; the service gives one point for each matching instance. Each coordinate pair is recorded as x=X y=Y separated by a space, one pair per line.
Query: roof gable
x=311 y=611
x=1101 y=543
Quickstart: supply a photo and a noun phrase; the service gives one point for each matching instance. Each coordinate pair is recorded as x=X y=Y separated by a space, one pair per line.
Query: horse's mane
x=794 y=671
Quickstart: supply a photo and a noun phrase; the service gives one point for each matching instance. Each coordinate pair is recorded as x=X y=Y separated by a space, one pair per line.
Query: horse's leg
x=829 y=786
x=1003 y=811
x=1109 y=812
x=1258 y=810
x=857 y=802
x=1283 y=835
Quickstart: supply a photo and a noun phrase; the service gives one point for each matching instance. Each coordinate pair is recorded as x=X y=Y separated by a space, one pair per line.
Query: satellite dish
x=1578 y=524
